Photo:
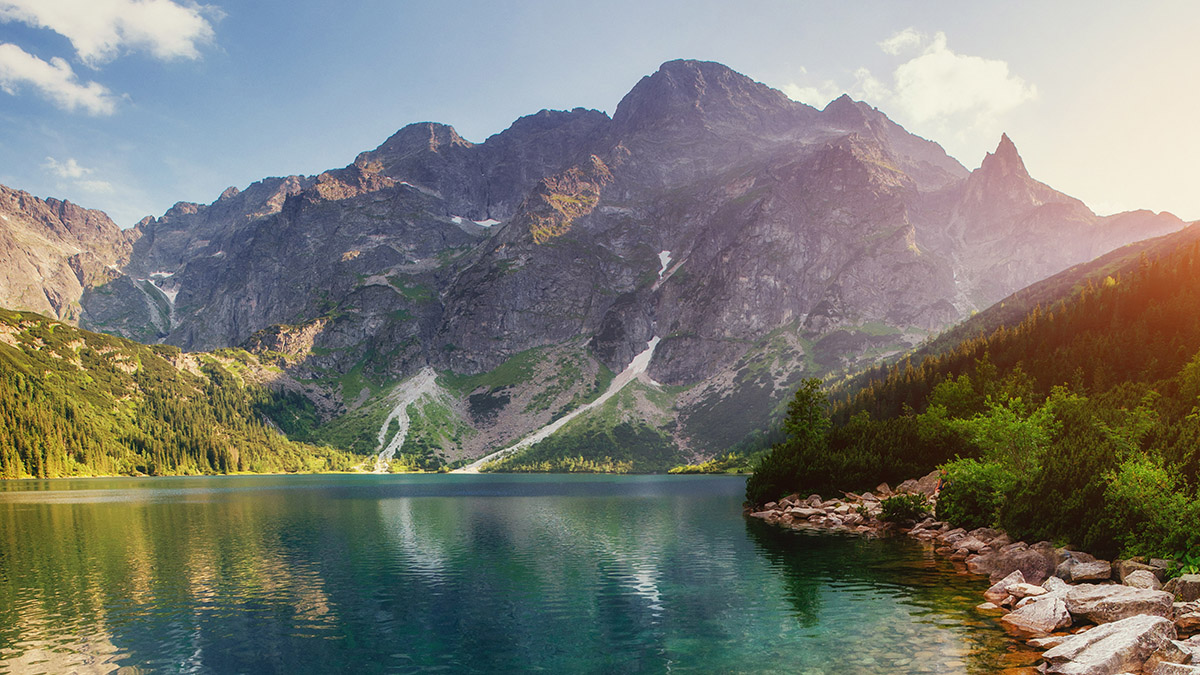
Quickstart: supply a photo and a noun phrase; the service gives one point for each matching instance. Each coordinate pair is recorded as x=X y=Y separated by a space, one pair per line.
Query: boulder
x=1187 y=616
x=985 y=533
x=928 y=485
x=1126 y=567
x=1105 y=604
x=1033 y=564
x=1171 y=652
x=999 y=590
x=1046 y=642
x=883 y=490
x=1186 y=588
x=1038 y=619
x=989 y=607
x=1142 y=579
x=1118 y=647
x=1077 y=571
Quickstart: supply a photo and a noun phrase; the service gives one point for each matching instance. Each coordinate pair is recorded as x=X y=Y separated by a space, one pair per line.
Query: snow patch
x=458 y=220
x=664 y=259
x=3 y=216
x=161 y=275
x=487 y=223
x=635 y=368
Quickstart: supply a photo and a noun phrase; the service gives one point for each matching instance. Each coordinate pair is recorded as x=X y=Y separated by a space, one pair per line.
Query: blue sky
x=132 y=105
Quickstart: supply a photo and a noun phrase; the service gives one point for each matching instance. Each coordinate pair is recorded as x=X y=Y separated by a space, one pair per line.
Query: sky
x=132 y=105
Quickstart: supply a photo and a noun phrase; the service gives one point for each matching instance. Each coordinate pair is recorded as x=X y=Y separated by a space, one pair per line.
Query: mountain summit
x=732 y=240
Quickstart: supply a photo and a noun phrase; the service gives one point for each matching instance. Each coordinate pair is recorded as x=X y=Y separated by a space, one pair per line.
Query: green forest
x=76 y=403
x=1080 y=424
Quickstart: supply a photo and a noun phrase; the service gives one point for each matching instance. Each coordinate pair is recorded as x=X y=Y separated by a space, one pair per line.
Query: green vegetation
x=907 y=508
x=1080 y=424
x=75 y=403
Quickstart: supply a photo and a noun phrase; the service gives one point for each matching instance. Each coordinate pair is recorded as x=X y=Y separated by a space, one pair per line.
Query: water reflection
x=469 y=574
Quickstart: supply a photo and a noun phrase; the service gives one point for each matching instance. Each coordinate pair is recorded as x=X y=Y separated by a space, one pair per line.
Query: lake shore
x=1090 y=616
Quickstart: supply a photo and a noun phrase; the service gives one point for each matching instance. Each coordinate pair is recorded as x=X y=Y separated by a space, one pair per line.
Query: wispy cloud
x=99 y=30
x=72 y=172
x=55 y=80
x=933 y=89
x=906 y=40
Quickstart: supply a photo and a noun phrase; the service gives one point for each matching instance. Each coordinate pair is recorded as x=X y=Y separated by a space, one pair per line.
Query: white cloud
x=939 y=85
x=67 y=169
x=100 y=29
x=73 y=172
x=54 y=79
x=97 y=186
x=906 y=40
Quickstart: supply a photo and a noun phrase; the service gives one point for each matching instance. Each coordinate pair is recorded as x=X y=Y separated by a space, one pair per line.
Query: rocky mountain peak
x=846 y=111
x=1005 y=161
x=686 y=94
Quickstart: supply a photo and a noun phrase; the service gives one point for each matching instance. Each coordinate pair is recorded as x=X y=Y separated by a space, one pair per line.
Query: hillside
x=1078 y=423
x=77 y=403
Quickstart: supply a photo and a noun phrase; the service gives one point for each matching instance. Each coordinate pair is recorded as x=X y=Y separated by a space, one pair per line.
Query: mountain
x=52 y=251
x=760 y=240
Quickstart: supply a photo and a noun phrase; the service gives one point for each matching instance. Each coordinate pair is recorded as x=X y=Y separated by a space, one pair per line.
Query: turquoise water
x=449 y=573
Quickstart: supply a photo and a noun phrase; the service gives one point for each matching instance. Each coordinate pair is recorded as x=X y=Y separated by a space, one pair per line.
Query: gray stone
x=999 y=590
x=1186 y=588
x=1175 y=669
x=1104 y=604
x=1038 y=619
x=1033 y=564
x=1142 y=579
x=1121 y=646
x=1076 y=571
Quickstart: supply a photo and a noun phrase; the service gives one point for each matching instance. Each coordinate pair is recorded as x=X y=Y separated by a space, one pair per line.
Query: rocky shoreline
x=1090 y=616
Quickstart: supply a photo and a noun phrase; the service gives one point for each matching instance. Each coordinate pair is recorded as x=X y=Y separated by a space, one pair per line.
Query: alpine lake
x=462 y=574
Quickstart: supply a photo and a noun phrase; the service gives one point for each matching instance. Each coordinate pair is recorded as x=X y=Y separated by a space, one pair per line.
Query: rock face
x=54 y=250
x=1123 y=646
x=711 y=211
x=1186 y=587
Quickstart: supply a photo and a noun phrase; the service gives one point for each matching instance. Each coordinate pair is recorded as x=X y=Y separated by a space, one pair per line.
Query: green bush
x=904 y=508
x=972 y=492
x=1148 y=510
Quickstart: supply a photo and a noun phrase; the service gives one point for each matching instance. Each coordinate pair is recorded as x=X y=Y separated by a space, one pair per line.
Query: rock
x=1187 y=616
x=908 y=486
x=1038 y=619
x=1024 y=590
x=770 y=505
x=1046 y=642
x=1055 y=584
x=1125 y=567
x=1174 y=669
x=1076 y=571
x=1105 y=604
x=928 y=485
x=1186 y=588
x=989 y=607
x=868 y=497
x=999 y=590
x=1033 y=564
x=883 y=490
x=815 y=500
x=1142 y=579
x=1121 y=646
x=1171 y=652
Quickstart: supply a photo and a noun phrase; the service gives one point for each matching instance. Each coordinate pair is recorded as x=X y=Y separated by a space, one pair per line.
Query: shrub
x=972 y=492
x=1148 y=511
x=904 y=508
